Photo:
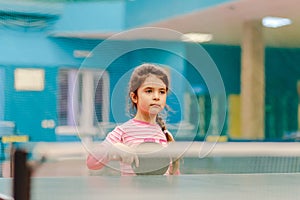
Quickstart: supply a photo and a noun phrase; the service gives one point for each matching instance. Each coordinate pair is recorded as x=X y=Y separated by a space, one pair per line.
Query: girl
x=148 y=88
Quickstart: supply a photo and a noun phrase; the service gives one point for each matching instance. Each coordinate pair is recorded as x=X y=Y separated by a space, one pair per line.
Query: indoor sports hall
x=230 y=93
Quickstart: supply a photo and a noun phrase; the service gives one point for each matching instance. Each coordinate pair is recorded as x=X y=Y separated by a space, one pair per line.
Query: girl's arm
x=99 y=156
x=106 y=152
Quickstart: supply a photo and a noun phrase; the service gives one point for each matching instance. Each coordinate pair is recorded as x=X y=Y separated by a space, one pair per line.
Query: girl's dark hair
x=138 y=77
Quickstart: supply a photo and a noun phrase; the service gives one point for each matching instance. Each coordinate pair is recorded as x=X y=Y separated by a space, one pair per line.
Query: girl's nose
x=156 y=96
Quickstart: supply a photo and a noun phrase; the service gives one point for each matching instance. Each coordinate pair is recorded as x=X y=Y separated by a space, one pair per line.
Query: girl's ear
x=133 y=97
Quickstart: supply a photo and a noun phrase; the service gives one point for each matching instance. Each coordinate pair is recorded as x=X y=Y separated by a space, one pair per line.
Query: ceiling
x=225 y=21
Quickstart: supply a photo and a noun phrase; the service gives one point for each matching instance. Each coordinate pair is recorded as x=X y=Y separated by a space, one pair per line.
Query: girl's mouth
x=154 y=105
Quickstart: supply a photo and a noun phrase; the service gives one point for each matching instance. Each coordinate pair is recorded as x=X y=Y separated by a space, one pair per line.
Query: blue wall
x=144 y=11
x=28 y=108
x=33 y=48
x=90 y=17
x=282 y=73
x=53 y=53
x=2 y=89
x=225 y=58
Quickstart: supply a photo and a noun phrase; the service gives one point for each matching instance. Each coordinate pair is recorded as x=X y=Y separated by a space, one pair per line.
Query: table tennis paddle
x=151 y=161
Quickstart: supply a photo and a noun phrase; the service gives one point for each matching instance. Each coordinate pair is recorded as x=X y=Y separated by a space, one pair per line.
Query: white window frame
x=81 y=100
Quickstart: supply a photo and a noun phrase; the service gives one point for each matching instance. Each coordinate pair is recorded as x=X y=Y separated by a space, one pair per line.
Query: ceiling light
x=196 y=37
x=275 y=22
x=82 y=54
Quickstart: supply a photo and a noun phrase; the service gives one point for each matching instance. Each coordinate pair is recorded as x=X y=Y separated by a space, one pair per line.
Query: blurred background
x=54 y=84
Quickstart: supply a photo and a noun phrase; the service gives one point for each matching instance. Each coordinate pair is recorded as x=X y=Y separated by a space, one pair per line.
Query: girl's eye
x=148 y=91
x=163 y=92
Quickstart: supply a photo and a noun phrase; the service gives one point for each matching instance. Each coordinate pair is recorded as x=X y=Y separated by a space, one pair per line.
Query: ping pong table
x=209 y=186
x=225 y=185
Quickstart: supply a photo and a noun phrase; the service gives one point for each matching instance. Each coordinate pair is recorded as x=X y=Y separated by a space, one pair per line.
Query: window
x=83 y=98
x=29 y=79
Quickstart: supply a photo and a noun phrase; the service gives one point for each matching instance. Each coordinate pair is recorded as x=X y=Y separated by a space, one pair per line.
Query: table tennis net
x=195 y=158
x=235 y=157
x=243 y=157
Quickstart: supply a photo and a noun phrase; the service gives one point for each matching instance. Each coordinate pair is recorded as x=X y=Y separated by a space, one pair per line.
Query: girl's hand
x=124 y=153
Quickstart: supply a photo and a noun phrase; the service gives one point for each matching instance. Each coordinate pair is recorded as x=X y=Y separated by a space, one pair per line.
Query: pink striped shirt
x=134 y=132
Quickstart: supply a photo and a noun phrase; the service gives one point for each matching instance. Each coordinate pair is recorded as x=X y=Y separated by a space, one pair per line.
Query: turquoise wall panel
x=89 y=17
x=2 y=89
x=33 y=48
x=29 y=108
x=144 y=11
x=226 y=59
x=282 y=73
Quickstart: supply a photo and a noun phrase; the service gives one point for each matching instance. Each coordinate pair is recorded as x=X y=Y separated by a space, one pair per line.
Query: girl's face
x=151 y=97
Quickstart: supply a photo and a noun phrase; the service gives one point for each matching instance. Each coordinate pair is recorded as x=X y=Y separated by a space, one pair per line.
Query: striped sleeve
x=115 y=136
